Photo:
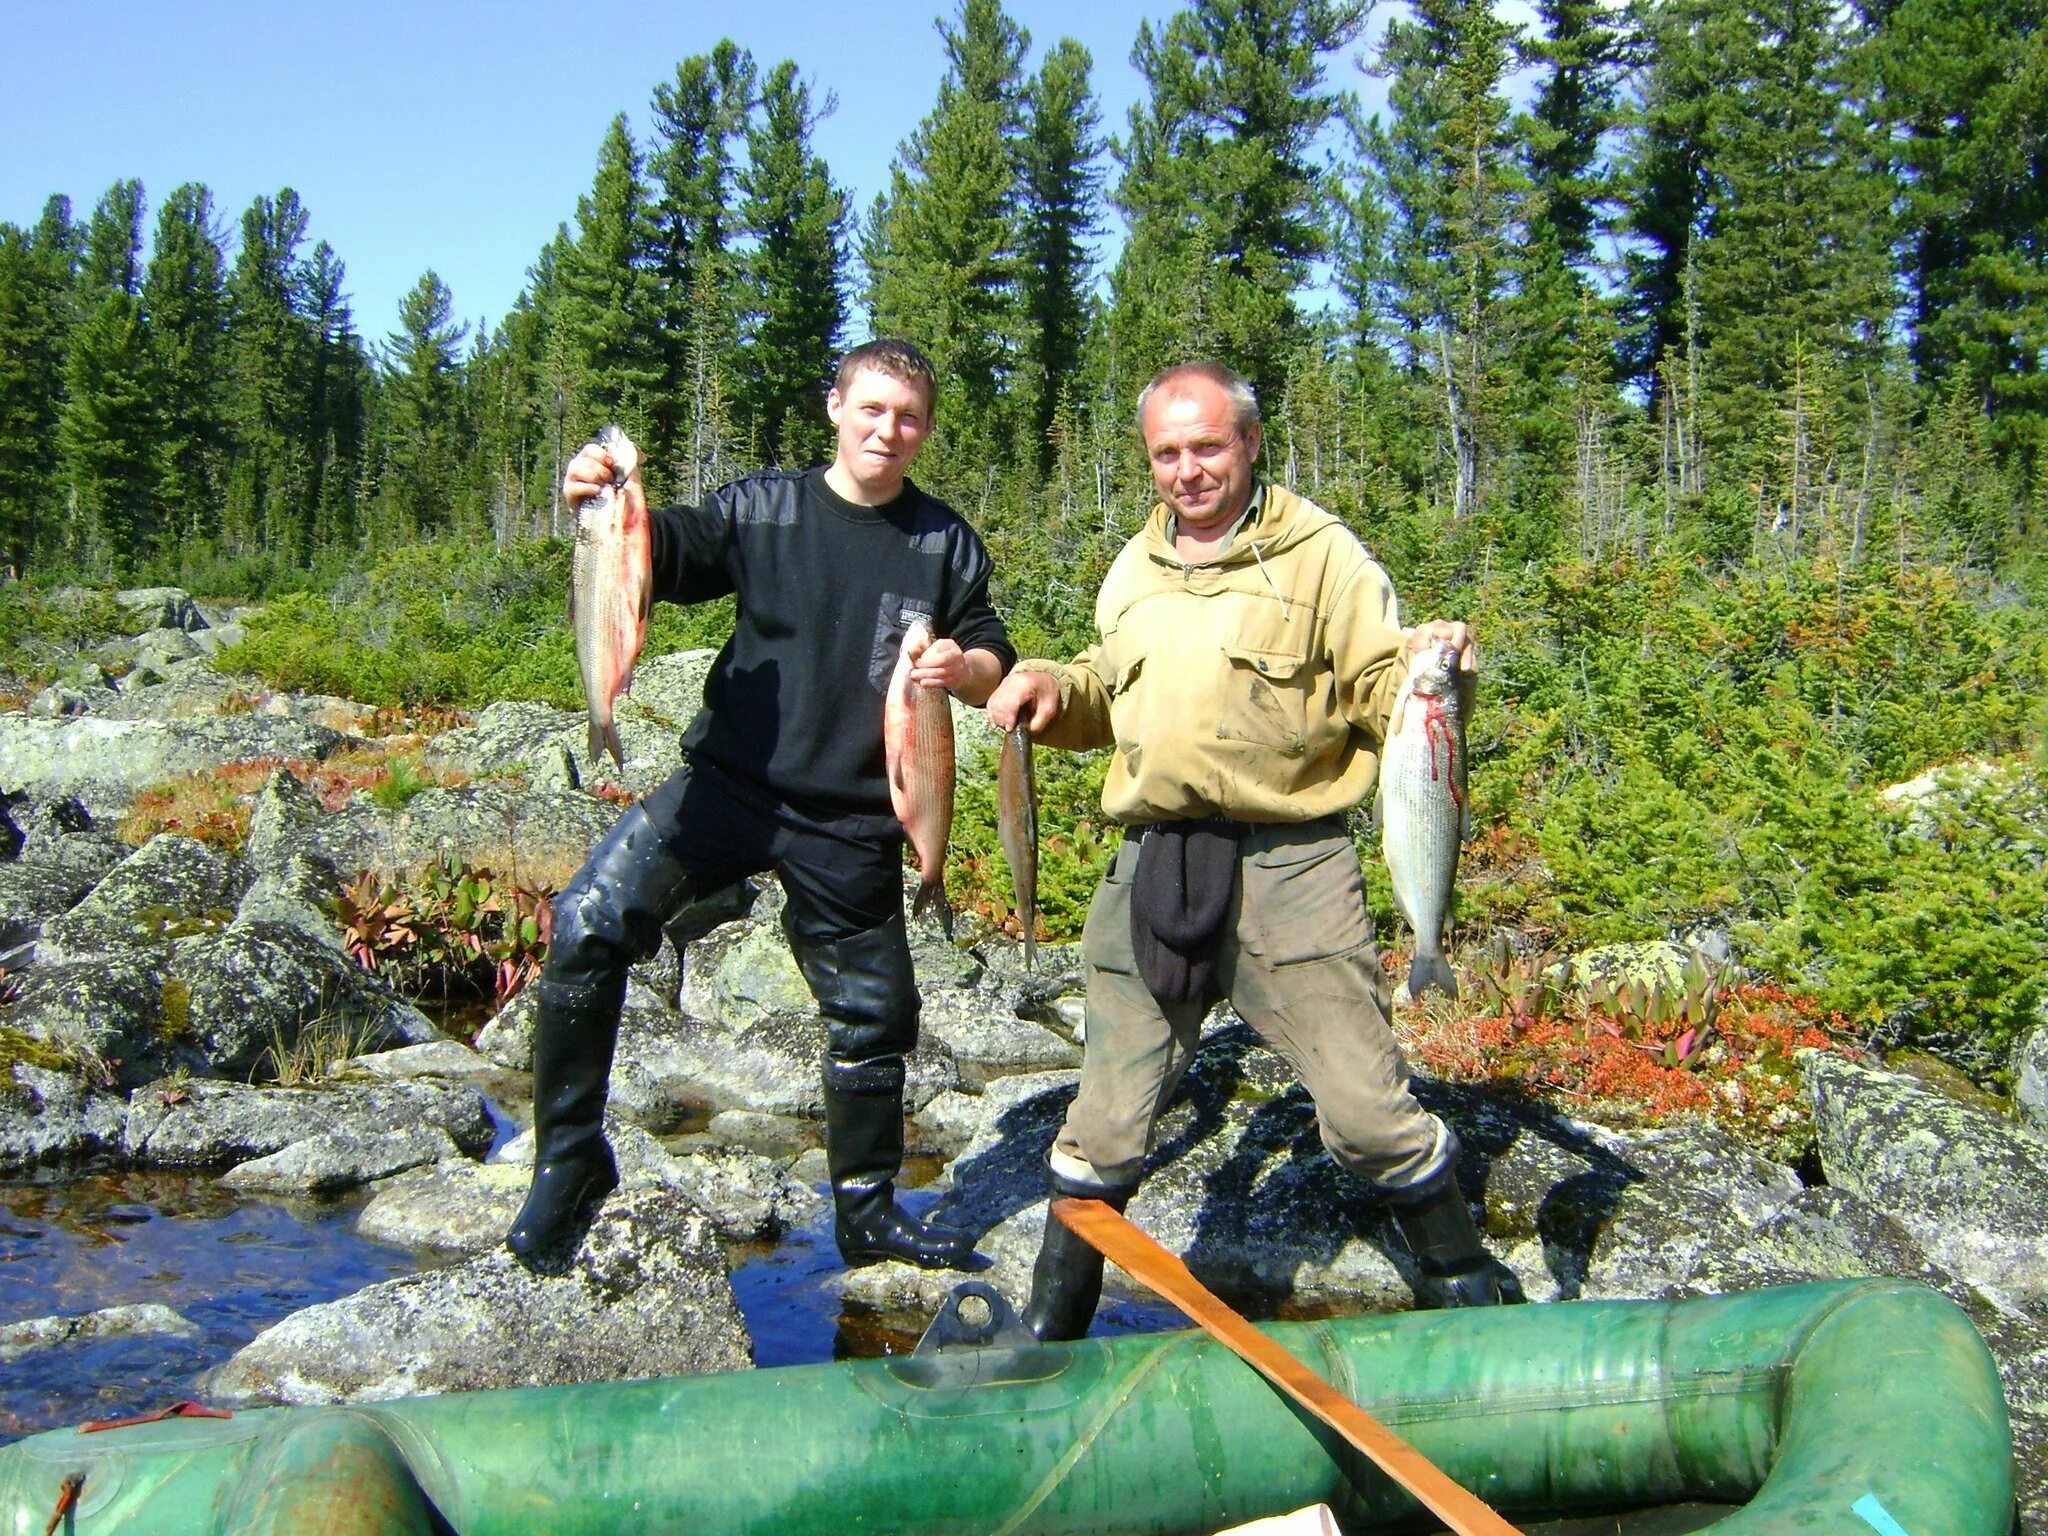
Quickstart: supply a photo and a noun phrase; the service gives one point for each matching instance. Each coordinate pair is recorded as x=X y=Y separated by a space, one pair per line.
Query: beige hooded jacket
x=1255 y=686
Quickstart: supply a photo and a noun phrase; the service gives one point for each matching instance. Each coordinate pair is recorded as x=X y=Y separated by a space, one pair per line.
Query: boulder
x=330 y=1163
x=266 y=999
x=148 y=608
x=299 y=893
x=51 y=1117
x=172 y=887
x=199 y=1123
x=532 y=739
x=537 y=838
x=1969 y=1185
x=108 y=1014
x=432 y=1058
x=107 y=763
x=646 y=1294
x=2030 y=1080
x=30 y=896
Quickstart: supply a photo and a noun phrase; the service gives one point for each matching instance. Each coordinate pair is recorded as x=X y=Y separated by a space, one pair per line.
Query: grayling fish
x=1017 y=823
x=1422 y=807
x=611 y=584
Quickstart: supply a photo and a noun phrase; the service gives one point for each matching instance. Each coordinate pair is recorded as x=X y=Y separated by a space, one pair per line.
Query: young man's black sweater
x=826 y=590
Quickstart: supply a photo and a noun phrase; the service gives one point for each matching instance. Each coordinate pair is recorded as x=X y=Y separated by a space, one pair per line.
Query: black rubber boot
x=1066 y=1282
x=574 y=1037
x=864 y=1151
x=1457 y=1270
x=606 y=918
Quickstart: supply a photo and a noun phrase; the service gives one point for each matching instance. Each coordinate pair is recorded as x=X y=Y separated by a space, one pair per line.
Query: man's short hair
x=1244 y=404
x=899 y=360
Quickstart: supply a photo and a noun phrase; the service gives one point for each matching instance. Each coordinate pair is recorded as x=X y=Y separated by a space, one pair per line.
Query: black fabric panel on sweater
x=825 y=592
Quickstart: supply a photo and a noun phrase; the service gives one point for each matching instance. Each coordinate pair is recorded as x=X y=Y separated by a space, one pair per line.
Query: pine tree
x=107 y=431
x=336 y=395
x=794 y=290
x=607 y=314
x=1218 y=183
x=942 y=246
x=1061 y=184
x=184 y=302
x=699 y=119
x=37 y=268
x=422 y=373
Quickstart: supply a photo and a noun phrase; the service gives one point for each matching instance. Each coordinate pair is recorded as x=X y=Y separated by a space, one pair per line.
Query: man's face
x=882 y=423
x=1201 y=462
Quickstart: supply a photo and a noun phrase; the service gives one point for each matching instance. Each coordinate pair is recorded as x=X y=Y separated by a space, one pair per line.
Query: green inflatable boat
x=1846 y=1408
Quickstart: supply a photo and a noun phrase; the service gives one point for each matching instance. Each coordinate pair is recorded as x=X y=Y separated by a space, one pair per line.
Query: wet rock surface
x=646 y=1294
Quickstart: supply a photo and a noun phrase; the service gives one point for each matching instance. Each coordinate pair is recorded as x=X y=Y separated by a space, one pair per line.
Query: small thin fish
x=1017 y=823
x=1422 y=807
x=917 y=738
x=610 y=587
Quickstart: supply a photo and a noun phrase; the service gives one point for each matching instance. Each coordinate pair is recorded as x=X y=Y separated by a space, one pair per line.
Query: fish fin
x=596 y=742
x=1431 y=971
x=613 y=744
x=1030 y=950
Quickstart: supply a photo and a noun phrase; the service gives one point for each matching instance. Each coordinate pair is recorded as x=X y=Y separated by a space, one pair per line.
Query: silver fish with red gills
x=1423 y=807
x=609 y=591
x=917 y=737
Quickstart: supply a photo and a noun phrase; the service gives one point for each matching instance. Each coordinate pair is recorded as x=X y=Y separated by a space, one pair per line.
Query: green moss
x=174 y=1021
x=168 y=922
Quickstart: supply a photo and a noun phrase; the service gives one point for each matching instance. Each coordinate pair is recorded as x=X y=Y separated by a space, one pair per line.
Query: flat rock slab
x=147 y=1319
x=201 y=1123
x=646 y=1294
x=331 y=1163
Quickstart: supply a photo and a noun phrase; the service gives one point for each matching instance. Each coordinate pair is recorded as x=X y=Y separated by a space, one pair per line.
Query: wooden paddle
x=1111 y=1233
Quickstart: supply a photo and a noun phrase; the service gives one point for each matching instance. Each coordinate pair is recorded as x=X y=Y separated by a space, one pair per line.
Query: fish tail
x=930 y=902
x=598 y=733
x=1030 y=950
x=1431 y=971
x=613 y=744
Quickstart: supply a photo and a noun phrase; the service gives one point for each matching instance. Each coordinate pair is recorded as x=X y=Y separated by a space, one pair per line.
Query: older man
x=782 y=769
x=1248 y=662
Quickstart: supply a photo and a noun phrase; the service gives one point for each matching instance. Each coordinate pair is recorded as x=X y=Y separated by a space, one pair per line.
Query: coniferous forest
x=1696 y=349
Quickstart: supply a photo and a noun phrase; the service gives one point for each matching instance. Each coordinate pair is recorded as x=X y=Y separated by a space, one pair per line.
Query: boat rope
x=67 y=1500
x=1083 y=1441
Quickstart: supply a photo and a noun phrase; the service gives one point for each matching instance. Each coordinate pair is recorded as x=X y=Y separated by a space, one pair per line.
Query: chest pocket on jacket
x=1265 y=696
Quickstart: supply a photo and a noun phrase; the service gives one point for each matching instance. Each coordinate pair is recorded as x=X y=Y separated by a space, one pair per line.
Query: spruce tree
x=1962 y=91
x=37 y=268
x=336 y=398
x=107 y=431
x=422 y=367
x=700 y=118
x=184 y=301
x=608 y=308
x=1061 y=183
x=794 y=289
x=266 y=505
x=942 y=246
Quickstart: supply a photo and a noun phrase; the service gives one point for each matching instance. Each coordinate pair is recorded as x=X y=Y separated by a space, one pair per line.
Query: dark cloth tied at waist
x=1181 y=896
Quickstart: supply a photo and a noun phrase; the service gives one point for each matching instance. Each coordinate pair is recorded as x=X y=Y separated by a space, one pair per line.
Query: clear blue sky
x=452 y=134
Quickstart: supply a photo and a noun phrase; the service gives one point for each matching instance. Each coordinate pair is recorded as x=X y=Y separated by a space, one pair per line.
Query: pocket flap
x=1281 y=665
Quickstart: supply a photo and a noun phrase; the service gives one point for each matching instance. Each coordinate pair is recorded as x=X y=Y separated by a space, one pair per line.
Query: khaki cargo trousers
x=1301 y=968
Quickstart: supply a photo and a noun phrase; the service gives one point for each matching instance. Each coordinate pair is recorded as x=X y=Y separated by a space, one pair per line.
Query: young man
x=1248 y=663
x=782 y=769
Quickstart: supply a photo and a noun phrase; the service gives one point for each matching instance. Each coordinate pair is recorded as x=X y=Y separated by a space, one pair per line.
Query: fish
x=1422 y=807
x=610 y=588
x=917 y=737
x=1017 y=825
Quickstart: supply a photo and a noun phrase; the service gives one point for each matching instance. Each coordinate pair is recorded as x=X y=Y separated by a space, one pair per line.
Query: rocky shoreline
x=159 y=990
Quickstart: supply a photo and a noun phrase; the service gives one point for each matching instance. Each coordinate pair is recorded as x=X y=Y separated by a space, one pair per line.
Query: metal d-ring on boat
x=1812 y=1405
